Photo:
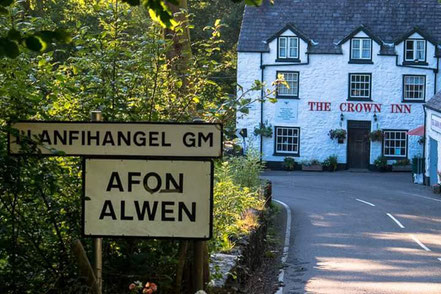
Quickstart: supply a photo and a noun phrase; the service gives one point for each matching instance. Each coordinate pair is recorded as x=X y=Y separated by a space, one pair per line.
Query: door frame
x=358 y=124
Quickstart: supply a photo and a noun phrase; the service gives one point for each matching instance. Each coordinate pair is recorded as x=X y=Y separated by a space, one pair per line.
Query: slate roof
x=435 y=102
x=327 y=22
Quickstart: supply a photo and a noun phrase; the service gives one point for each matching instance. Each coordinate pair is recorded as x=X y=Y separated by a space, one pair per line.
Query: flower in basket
x=339 y=134
x=376 y=136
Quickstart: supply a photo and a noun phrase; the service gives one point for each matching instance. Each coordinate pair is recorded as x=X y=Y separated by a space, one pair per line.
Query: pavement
x=360 y=232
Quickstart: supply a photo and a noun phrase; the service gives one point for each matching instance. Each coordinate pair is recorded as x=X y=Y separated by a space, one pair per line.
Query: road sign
x=202 y=140
x=148 y=198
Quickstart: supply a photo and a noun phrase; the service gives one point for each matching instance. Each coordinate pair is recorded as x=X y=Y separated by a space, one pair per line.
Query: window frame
x=281 y=153
x=287 y=57
x=414 y=61
x=298 y=85
x=350 y=97
x=361 y=59
x=407 y=100
x=383 y=145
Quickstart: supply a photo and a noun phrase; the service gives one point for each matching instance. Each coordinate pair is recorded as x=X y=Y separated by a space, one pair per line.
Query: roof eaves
x=364 y=29
x=417 y=30
x=293 y=29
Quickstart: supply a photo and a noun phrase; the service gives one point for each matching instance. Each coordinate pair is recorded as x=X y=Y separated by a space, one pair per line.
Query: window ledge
x=391 y=157
x=287 y=97
x=360 y=99
x=413 y=101
x=286 y=154
x=360 y=61
x=288 y=60
x=415 y=63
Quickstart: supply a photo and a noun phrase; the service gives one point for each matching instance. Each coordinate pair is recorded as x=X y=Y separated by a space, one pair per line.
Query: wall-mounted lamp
x=375 y=117
x=342 y=117
x=244 y=132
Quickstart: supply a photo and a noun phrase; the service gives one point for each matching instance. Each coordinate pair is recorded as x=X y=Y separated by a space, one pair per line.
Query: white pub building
x=353 y=65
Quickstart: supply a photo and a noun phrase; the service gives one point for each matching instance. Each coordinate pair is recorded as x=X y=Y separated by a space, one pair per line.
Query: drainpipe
x=424 y=146
x=262 y=68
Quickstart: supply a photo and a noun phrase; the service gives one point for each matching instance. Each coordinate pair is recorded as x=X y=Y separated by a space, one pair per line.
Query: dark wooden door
x=358 y=148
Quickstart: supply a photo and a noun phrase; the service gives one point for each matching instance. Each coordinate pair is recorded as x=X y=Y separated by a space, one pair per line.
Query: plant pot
x=316 y=167
x=401 y=168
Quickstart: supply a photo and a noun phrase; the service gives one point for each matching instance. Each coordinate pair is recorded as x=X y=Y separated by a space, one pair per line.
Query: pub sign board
x=148 y=198
x=195 y=140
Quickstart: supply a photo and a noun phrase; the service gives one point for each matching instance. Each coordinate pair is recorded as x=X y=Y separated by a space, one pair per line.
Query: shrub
x=402 y=162
x=264 y=129
x=289 y=163
x=331 y=163
x=381 y=163
x=245 y=170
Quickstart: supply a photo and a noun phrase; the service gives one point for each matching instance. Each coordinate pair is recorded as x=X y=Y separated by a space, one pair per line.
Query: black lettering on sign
x=123 y=212
x=115 y=177
x=108 y=139
x=148 y=186
x=164 y=143
x=165 y=211
x=151 y=210
x=73 y=135
x=139 y=139
x=108 y=206
x=90 y=138
x=193 y=140
x=177 y=187
x=45 y=139
x=132 y=180
x=121 y=138
x=153 y=139
x=58 y=136
x=182 y=208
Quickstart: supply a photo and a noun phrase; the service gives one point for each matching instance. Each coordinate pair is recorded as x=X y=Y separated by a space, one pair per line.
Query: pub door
x=358 y=144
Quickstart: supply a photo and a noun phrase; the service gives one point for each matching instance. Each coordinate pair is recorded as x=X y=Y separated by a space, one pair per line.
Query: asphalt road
x=360 y=233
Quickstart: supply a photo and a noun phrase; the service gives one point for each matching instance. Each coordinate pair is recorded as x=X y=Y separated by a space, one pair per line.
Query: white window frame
x=355 y=85
x=390 y=143
x=289 y=43
x=411 y=87
x=360 y=49
x=293 y=83
x=287 y=134
x=415 y=50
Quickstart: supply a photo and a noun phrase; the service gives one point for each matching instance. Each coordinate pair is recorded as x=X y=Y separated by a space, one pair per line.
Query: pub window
x=415 y=50
x=414 y=88
x=361 y=48
x=288 y=47
x=291 y=88
x=287 y=140
x=360 y=86
x=395 y=143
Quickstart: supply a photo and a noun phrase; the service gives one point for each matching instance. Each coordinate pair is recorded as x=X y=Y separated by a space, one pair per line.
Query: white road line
x=439 y=258
x=419 y=243
x=365 y=202
x=395 y=220
x=286 y=244
x=416 y=195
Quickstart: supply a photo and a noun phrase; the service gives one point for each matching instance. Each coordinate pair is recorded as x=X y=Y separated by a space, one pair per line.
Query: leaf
x=35 y=44
x=13 y=34
x=8 y=48
x=3 y=11
x=253 y=2
x=6 y=2
x=132 y=2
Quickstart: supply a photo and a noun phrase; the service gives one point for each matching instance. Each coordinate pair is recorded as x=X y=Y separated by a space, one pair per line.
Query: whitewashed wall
x=325 y=79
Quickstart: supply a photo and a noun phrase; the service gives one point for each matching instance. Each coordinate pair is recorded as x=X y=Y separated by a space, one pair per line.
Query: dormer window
x=288 y=48
x=361 y=49
x=415 y=50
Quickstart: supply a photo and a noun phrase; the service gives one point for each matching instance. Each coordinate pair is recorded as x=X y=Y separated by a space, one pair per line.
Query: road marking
x=419 y=243
x=395 y=220
x=416 y=195
x=286 y=244
x=439 y=258
x=365 y=202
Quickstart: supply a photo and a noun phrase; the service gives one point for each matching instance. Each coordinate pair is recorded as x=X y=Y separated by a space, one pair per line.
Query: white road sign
x=120 y=139
x=148 y=198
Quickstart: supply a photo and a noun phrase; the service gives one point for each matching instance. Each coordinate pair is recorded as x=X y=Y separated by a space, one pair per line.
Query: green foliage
x=264 y=129
x=237 y=189
x=311 y=162
x=339 y=134
x=376 y=136
x=331 y=163
x=289 y=163
x=381 y=163
x=402 y=162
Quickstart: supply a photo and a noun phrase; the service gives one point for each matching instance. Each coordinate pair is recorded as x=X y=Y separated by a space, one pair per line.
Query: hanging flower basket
x=376 y=136
x=339 y=134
